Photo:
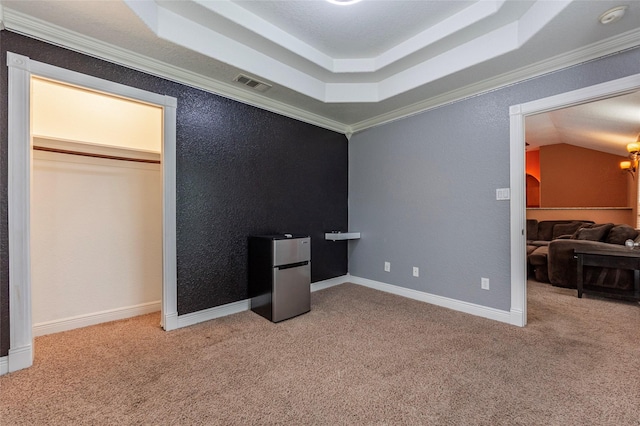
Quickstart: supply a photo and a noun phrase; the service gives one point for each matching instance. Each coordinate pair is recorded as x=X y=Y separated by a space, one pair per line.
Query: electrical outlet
x=387 y=266
x=416 y=271
x=484 y=283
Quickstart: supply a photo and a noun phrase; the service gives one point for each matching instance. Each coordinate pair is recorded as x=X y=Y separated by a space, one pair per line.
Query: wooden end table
x=609 y=259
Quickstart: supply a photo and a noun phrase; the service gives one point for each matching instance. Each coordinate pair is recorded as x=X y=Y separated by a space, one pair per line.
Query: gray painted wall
x=422 y=190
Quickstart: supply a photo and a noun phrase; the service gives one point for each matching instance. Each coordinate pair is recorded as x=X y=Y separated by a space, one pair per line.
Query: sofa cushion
x=538 y=243
x=593 y=233
x=545 y=228
x=561 y=229
x=621 y=233
x=539 y=256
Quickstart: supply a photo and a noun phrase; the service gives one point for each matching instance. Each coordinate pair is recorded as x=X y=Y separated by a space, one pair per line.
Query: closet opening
x=96 y=207
x=21 y=69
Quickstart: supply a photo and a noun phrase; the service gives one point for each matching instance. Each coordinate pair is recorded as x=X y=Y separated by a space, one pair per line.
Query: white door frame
x=21 y=68
x=517 y=157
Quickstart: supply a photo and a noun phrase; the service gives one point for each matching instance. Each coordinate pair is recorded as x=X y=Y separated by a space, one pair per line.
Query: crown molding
x=183 y=28
x=32 y=27
x=628 y=40
x=35 y=28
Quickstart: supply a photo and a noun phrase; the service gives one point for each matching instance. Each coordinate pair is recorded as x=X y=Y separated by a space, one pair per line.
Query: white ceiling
x=341 y=67
x=607 y=125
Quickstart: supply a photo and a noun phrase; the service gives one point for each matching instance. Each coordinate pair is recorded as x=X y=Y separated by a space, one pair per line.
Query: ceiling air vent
x=254 y=84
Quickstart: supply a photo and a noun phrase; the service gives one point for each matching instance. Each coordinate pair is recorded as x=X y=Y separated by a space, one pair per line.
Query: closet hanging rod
x=87 y=154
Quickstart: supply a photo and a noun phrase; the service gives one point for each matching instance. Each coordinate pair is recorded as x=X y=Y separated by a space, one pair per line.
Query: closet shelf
x=87 y=149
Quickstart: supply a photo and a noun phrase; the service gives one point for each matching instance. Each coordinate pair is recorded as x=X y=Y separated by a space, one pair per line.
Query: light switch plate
x=503 y=194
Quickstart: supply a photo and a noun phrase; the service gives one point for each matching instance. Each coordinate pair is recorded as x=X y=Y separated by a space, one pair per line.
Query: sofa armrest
x=562 y=266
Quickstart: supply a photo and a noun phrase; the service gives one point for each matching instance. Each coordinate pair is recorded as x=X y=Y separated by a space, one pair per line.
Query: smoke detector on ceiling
x=260 y=86
x=612 y=15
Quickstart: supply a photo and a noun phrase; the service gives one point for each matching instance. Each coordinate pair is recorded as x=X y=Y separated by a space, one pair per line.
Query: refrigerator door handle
x=292 y=265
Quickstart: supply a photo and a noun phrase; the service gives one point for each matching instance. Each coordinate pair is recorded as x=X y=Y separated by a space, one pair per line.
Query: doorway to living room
x=519 y=114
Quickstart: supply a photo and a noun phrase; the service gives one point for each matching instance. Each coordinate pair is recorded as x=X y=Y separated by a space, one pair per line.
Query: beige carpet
x=359 y=357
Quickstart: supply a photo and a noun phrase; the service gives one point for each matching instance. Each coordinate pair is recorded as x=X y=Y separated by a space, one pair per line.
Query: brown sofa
x=539 y=236
x=556 y=261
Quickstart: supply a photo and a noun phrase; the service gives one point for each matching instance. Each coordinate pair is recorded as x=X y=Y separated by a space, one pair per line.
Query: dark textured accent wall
x=240 y=171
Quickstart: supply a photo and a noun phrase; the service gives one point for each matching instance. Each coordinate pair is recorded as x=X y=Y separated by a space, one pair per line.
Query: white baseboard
x=4 y=365
x=56 y=326
x=457 y=305
x=213 y=313
x=20 y=358
x=518 y=318
x=331 y=282
x=243 y=305
x=169 y=321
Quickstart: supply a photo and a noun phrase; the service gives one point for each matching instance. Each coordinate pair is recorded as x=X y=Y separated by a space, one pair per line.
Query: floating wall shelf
x=337 y=236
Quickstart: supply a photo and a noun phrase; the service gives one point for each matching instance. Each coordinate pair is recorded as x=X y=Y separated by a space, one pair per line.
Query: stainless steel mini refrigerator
x=280 y=275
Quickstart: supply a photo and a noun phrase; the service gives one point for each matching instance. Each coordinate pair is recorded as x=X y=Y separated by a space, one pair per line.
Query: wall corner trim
x=445 y=302
x=4 y=365
x=18 y=198
x=17 y=61
x=169 y=322
x=20 y=358
x=518 y=318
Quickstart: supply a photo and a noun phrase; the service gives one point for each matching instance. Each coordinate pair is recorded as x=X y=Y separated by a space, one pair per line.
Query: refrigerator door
x=291 y=291
x=291 y=250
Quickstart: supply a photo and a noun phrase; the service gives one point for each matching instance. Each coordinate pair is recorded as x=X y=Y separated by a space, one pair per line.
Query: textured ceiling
x=341 y=67
x=607 y=125
x=358 y=31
